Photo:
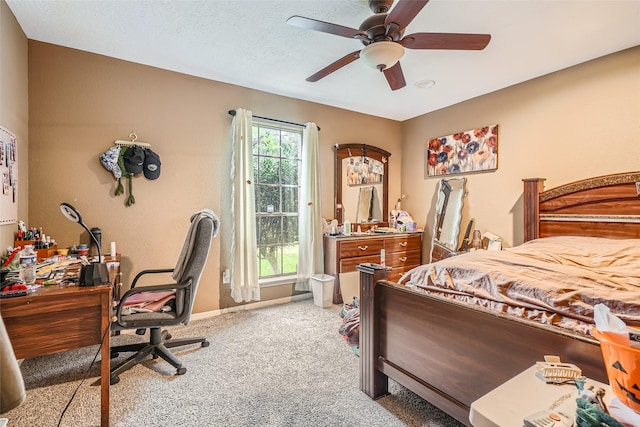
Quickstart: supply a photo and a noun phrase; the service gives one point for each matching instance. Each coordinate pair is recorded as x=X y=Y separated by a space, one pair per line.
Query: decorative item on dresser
x=398 y=251
x=451 y=353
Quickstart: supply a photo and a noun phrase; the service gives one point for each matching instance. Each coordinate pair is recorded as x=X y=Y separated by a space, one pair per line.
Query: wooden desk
x=55 y=319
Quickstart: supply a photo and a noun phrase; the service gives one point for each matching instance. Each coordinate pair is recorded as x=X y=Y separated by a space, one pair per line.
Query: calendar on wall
x=9 y=175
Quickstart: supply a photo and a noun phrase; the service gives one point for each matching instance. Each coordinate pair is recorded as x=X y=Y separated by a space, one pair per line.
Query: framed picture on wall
x=475 y=150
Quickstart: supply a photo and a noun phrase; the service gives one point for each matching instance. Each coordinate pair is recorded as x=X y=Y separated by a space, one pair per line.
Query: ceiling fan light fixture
x=382 y=55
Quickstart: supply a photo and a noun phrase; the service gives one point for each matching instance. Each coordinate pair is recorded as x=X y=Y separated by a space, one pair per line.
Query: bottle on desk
x=27 y=265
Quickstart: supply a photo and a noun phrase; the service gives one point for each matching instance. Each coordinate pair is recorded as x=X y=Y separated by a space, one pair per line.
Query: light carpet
x=282 y=365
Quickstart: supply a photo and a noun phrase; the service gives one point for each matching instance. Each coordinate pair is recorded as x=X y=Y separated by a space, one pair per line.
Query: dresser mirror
x=446 y=226
x=361 y=185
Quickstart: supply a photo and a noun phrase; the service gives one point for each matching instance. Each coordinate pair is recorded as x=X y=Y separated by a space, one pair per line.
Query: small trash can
x=322 y=288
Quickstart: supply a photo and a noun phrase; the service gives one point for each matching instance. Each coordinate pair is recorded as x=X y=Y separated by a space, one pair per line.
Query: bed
x=451 y=353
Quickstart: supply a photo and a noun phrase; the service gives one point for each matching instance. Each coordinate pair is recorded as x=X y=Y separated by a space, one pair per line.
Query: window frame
x=258 y=158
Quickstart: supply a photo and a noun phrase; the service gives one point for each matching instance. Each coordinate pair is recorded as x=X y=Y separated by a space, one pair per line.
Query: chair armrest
x=151 y=271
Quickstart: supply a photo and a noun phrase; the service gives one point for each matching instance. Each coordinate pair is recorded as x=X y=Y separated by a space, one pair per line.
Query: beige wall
x=569 y=125
x=81 y=102
x=573 y=124
x=14 y=107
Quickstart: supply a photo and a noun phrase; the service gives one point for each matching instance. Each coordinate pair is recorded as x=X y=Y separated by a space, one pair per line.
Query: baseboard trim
x=250 y=306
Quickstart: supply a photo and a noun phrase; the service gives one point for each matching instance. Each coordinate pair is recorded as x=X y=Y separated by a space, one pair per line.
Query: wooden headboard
x=604 y=206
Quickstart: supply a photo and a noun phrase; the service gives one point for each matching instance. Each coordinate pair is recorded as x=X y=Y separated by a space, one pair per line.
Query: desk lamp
x=95 y=273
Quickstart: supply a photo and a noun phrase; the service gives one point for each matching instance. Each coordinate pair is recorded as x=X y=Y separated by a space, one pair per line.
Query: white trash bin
x=322 y=288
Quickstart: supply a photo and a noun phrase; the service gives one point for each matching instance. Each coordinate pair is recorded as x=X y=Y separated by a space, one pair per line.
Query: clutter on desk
x=45 y=272
x=590 y=407
x=129 y=159
x=44 y=246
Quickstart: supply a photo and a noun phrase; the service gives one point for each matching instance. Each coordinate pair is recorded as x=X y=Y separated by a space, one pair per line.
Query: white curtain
x=310 y=251
x=244 y=259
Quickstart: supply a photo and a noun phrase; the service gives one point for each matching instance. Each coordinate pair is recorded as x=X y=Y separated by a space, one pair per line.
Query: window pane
x=268 y=199
x=269 y=142
x=289 y=172
x=290 y=230
x=291 y=142
x=290 y=259
x=254 y=139
x=269 y=170
x=270 y=230
x=270 y=260
x=290 y=199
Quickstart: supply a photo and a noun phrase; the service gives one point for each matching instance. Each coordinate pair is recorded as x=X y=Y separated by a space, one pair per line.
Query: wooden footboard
x=449 y=354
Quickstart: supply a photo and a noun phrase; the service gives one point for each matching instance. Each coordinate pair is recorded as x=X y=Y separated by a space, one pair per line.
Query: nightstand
x=524 y=395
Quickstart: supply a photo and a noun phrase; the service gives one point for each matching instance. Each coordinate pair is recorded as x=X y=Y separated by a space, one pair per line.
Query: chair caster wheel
x=168 y=337
x=181 y=371
x=205 y=344
x=114 y=380
x=114 y=354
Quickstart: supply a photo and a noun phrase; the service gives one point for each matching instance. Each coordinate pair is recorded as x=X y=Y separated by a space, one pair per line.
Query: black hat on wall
x=151 y=165
x=133 y=159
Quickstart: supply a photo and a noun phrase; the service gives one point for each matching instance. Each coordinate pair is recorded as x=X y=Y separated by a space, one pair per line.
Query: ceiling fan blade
x=404 y=12
x=395 y=77
x=325 y=27
x=345 y=60
x=453 y=41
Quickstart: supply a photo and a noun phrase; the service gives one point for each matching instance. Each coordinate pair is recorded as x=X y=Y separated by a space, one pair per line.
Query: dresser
x=342 y=254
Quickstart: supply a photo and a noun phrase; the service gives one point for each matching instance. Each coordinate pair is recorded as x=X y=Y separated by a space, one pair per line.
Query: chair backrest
x=192 y=261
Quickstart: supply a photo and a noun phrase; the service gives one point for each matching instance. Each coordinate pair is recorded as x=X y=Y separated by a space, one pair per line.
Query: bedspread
x=553 y=280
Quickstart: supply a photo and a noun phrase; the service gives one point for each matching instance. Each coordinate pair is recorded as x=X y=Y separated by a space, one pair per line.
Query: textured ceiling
x=248 y=43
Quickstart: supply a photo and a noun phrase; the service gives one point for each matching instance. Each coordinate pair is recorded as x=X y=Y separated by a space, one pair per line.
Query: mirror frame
x=448 y=210
x=343 y=151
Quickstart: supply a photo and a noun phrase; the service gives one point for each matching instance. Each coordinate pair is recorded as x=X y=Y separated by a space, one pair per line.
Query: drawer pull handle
x=403 y=259
x=363 y=248
x=403 y=244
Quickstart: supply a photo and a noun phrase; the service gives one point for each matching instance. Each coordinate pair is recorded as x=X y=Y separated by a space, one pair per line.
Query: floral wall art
x=471 y=151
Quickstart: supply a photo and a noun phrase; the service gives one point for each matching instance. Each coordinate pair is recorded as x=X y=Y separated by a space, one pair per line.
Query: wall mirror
x=361 y=185
x=446 y=227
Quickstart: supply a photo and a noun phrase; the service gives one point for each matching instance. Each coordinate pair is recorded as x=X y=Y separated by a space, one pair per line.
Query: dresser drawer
x=400 y=259
x=359 y=248
x=348 y=265
x=403 y=243
x=396 y=273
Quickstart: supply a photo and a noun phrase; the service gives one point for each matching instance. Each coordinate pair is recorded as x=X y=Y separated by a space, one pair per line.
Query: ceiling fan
x=382 y=37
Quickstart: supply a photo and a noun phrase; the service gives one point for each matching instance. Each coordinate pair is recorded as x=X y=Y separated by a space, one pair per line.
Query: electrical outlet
x=226 y=277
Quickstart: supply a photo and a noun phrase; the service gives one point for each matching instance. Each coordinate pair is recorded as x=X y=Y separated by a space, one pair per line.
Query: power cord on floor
x=84 y=377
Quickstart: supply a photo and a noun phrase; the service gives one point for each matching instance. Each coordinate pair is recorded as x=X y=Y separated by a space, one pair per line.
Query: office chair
x=186 y=275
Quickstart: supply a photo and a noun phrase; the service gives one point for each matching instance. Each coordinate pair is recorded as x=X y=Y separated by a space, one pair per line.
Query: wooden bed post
x=532 y=189
x=372 y=382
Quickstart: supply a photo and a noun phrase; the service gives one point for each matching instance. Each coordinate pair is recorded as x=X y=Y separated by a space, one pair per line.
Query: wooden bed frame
x=450 y=354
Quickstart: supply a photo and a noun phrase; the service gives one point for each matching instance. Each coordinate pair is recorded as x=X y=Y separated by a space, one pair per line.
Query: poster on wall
x=9 y=176
x=474 y=150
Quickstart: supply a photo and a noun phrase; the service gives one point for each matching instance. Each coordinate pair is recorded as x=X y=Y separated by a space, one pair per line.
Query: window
x=276 y=166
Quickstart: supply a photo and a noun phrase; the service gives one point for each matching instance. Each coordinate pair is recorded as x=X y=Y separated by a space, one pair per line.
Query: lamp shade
x=382 y=55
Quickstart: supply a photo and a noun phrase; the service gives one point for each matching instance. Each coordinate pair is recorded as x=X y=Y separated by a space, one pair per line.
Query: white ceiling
x=248 y=43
